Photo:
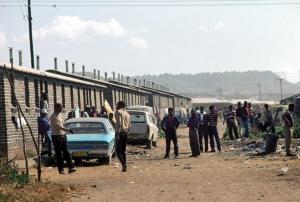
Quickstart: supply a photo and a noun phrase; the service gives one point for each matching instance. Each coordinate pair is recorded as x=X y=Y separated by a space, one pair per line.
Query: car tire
x=154 y=144
x=107 y=160
x=77 y=162
x=148 y=144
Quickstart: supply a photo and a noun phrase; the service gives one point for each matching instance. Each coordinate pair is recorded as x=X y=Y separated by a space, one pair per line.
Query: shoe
x=212 y=151
x=166 y=157
x=176 y=156
x=71 y=170
x=192 y=156
x=124 y=169
x=61 y=172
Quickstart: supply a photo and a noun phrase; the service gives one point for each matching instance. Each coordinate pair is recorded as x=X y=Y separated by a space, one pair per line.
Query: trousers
x=121 y=141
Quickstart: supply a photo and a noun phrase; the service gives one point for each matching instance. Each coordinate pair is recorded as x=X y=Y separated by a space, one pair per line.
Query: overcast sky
x=142 y=40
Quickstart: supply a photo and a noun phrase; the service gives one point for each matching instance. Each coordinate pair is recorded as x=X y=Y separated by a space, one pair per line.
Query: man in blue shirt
x=169 y=125
x=44 y=128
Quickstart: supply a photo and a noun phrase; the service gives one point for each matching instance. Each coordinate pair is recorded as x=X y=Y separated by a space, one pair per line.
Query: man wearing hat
x=44 y=128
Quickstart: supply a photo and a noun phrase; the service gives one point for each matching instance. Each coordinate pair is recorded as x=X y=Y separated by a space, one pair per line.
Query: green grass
x=10 y=173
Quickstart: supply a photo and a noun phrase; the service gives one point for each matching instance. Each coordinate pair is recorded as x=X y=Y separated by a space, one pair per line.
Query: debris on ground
x=283 y=171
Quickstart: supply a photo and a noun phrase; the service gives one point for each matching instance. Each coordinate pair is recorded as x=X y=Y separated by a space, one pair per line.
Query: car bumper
x=138 y=137
x=94 y=154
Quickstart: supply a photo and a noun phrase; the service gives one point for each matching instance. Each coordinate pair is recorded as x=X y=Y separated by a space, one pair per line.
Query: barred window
x=27 y=94
x=63 y=99
x=36 y=93
x=78 y=96
x=72 y=98
x=54 y=93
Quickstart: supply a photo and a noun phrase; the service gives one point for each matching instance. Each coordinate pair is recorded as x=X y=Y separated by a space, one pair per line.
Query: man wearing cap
x=44 y=129
x=59 y=139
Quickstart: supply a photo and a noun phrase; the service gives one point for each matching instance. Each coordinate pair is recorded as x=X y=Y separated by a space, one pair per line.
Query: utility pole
x=280 y=82
x=30 y=34
x=259 y=91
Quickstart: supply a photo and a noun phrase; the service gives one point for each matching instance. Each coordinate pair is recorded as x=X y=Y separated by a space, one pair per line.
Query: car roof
x=138 y=111
x=86 y=120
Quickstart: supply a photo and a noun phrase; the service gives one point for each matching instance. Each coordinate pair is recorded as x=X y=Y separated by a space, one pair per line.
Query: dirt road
x=210 y=177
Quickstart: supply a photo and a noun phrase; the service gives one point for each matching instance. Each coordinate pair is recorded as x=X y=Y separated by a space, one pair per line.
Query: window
x=95 y=97
x=27 y=95
x=54 y=93
x=72 y=98
x=87 y=128
x=36 y=93
x=137 y=118
x=12 y=90
x=41 y=87
x=84 y=97
x=46 y=87
x=90 y=97
x=63 y=99
x=78 y=96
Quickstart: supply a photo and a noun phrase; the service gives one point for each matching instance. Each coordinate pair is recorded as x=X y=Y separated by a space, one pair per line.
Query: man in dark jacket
x=44 y=128
x=213 y=130
x=169 y=124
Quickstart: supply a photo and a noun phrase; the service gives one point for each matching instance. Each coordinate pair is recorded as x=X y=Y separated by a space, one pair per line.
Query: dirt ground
x=210 y=177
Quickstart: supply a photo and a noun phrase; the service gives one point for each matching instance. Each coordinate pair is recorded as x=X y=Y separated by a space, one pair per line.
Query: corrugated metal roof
x=96 y=80
x=36 y=72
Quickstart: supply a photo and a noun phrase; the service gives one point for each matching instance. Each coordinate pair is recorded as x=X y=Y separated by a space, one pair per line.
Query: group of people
x=202 y=129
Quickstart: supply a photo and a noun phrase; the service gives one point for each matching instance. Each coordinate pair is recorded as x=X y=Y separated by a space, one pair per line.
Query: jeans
x=47 y=140
x=246 y=125
x=214 y=135
x=121 y=141
x=61 y=147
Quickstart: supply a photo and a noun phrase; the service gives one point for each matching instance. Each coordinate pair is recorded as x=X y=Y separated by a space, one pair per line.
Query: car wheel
x=77 y=162
x=154 y=144
x=108 y=160
x=149 y=144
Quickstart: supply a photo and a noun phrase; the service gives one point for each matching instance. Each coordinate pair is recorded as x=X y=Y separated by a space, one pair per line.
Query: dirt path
x=211 y=177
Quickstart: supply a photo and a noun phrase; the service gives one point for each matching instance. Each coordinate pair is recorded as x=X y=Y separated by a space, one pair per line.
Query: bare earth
x=210 y=177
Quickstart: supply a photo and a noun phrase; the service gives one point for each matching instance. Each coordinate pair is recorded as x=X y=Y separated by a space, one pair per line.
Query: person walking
x=122 y=127
x=231 y=123
x=288 y=125
x=59 y=139
x=201 y=127
x=44 y=104
x=213 y=130
x=193 y=134
x=169 y=125
x=44 y=129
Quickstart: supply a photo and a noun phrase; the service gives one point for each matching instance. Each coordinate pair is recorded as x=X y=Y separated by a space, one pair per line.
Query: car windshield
x=137 y=118
x=87 y=128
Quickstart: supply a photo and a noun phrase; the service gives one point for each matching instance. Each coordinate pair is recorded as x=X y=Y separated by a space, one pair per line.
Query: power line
x=159 y=5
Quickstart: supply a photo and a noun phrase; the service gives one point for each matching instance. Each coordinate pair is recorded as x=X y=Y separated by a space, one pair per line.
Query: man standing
x=169 y=124
x=44 y=102
x=122 y=127
x=44 y=129
x=288 y=125
x=245 y=116
x=239 y=117
x=59 y=139
x=193 y=134
x=268 y=119
x=231 y=123
x=201 y=127
x=213 y=130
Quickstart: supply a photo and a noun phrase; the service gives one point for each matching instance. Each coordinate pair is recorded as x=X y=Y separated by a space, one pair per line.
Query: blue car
x=92 y=138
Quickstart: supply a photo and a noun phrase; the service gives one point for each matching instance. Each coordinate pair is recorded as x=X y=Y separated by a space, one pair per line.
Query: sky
x=154 y=40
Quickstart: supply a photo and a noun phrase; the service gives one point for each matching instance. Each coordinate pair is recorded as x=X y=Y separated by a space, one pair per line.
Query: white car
x=143 y=128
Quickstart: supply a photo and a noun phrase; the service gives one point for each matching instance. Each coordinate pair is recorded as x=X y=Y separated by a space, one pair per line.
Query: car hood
x=90 y=137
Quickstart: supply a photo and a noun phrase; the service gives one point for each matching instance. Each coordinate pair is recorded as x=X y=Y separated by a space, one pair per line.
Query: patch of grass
x=10 y=173
x=31 y=153
x=4 y=197
x=161 y=134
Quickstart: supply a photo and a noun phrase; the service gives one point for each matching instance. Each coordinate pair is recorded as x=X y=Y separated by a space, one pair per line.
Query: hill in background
x=226 y=84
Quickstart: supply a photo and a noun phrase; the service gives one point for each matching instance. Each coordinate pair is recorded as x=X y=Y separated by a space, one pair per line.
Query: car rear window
x=87 y=128
x=137 y=118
